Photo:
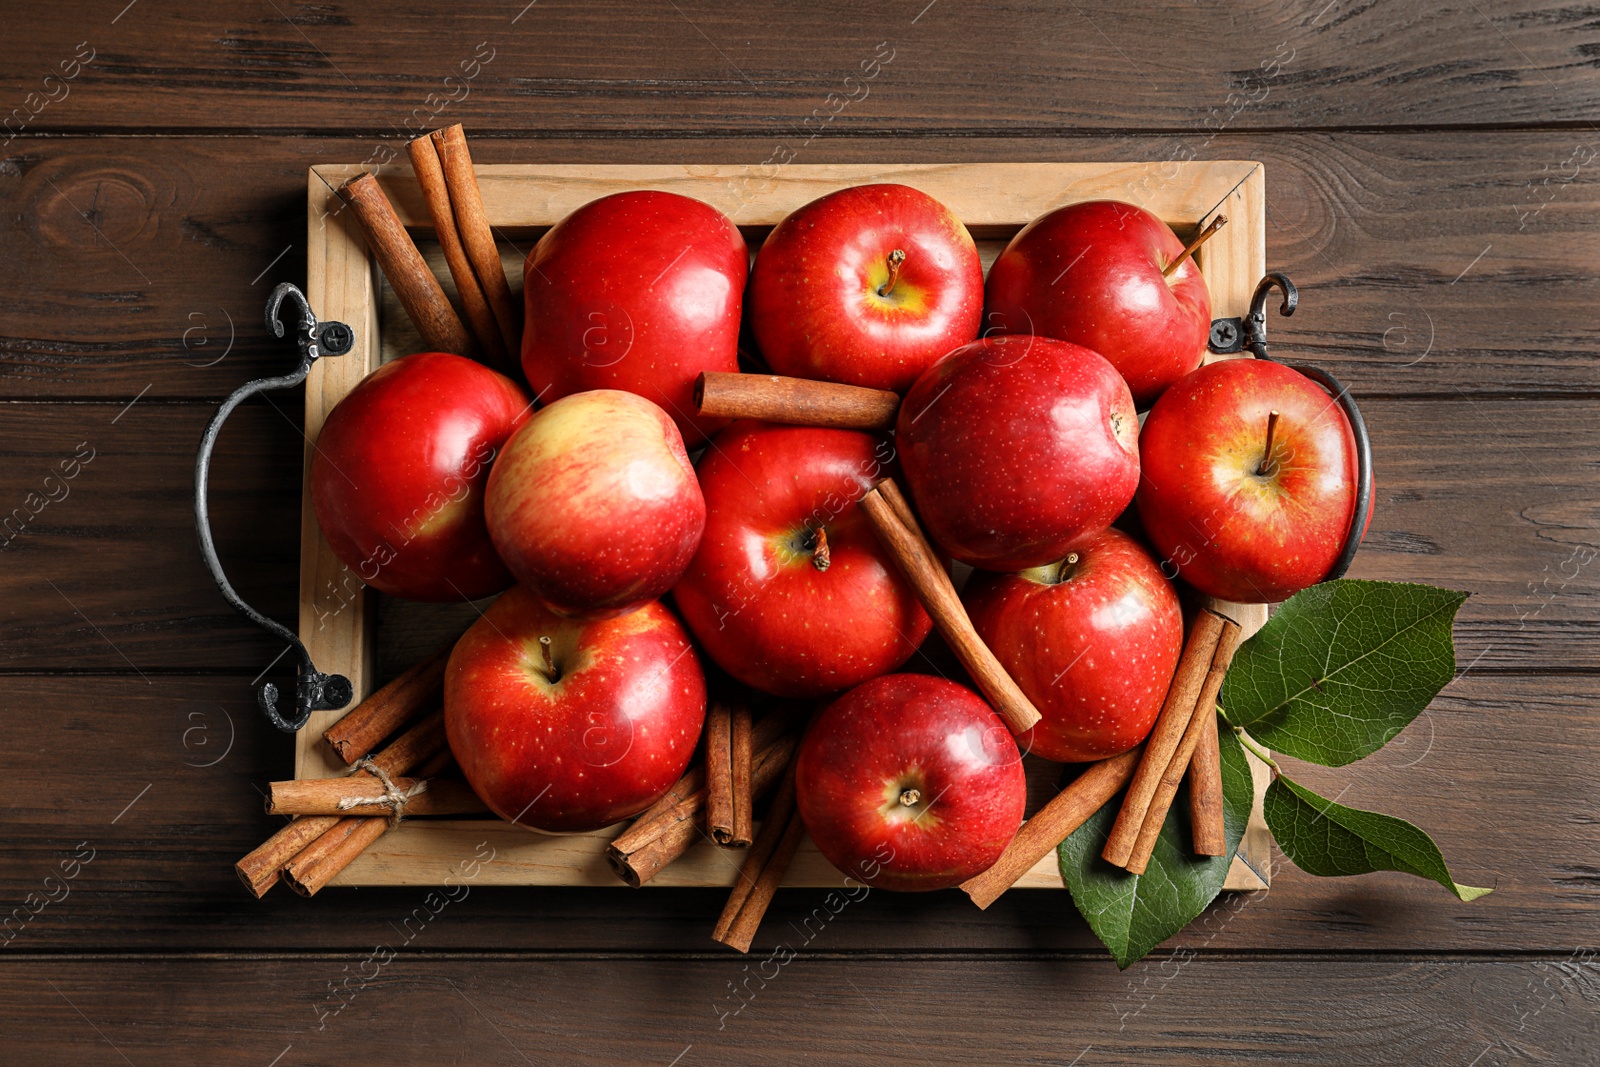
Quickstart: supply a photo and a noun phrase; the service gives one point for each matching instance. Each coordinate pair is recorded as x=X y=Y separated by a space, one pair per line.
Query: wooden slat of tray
x=337 y=618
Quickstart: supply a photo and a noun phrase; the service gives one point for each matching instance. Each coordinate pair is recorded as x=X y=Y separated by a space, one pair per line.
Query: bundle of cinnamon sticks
x=308 y=852
x=492 y=332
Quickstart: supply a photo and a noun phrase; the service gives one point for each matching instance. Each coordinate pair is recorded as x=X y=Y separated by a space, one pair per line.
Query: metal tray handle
x=314 y=691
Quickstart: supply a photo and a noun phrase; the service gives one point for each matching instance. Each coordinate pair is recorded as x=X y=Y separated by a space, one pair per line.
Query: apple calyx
x=1204 y=235
x=910 y=797
x=895 y=260
x=1268 y=466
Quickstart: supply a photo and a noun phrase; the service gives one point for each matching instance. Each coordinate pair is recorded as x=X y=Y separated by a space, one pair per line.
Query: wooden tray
x=367 y=637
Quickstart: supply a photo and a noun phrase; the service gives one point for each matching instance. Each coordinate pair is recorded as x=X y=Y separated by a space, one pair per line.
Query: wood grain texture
x=165 y=289
x=1017 y=1008
x=163 y=879
x=1496 y=497
x=788 y=71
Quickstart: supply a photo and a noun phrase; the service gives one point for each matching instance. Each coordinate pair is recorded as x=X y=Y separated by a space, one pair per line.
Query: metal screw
x=335 y=338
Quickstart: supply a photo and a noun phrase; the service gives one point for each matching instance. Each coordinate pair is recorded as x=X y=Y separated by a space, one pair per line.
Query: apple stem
x=550 y=672
x=1267 y=465
x=896 y=258
x=909 y=797
x=1205 y=235
x=821 y=557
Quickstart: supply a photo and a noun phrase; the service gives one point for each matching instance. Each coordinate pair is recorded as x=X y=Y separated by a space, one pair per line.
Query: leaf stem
x=1259 y=754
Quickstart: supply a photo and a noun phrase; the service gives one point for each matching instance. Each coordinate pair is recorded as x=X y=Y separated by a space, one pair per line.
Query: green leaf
x=1342 y=667
x=1328 y=839
x=1133 y=913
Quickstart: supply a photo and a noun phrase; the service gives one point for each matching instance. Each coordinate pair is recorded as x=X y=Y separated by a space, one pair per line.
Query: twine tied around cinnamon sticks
x=393 y=797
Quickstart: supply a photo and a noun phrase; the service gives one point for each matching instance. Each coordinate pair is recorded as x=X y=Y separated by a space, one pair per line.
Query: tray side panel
x=982 y=195
x=334 y=605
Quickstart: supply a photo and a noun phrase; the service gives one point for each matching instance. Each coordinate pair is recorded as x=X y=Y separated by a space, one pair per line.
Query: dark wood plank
x=810 y=1008
x=103 y=570
x=191 y=754
x=769 y=67
x=1492 y=496
x=1407 y=248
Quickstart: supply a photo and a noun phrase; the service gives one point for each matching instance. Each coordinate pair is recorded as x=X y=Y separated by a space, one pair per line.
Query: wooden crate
x=339 y=620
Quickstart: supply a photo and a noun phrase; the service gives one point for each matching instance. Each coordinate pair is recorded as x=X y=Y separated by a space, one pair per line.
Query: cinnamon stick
x=331 y=853
x=794 y=401
x=890 y=490
x=911 y=553
x=743 y=736
x=763 y=869
x=719 y=771
x=1052 y=824
x=1206 y=829
x=672 y=835
x=655 y=819
x=409 y=275
x=361 y=795
x=390 y=708
x=261 y=869
x=472 y=222
x=436 y=193
x=1165 y=736
x=1167 y=789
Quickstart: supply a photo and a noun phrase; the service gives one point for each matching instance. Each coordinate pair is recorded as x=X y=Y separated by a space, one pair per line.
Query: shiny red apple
x=638 y=291
x=1092 y=639
x=1232 y=518
x=580 y=731
x=910 y=782
x=1090 y=273
x=867 y=286
x=594 y=505
x=1017 y=447
x=791 y=591
x=398 y=474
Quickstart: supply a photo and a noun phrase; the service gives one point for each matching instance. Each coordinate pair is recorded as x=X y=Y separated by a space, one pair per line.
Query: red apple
x=594 y=505
x=1092 y=640
x=1232 y=520
x=866 y=286
x=1090 y=273
x=910 y=782
x=1015 y=448
x=766 y=600
x=584 y=735
x=398 y=473
x=638 y=291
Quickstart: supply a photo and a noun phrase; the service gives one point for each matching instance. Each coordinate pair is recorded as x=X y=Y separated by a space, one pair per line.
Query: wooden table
x=1431 y=187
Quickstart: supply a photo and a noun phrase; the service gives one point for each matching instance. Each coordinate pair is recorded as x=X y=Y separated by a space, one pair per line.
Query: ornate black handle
x=1231 y=335
x=314 y=691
